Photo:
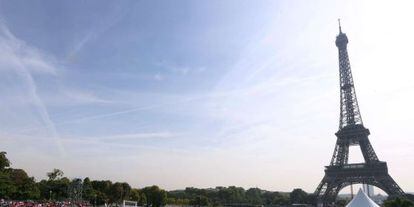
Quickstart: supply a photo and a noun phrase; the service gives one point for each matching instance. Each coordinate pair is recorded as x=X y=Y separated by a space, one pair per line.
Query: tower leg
x=352 y=191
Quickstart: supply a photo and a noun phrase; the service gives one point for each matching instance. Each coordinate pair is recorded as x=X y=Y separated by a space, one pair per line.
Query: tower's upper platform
x=341 y=38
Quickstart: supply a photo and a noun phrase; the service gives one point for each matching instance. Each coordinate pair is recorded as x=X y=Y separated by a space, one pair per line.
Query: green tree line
x=236 y=196
x=15 y=184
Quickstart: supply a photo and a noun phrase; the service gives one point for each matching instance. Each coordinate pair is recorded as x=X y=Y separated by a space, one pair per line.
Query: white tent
x=361 y=200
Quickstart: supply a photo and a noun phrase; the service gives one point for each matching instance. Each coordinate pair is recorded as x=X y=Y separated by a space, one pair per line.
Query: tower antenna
x=340 y=29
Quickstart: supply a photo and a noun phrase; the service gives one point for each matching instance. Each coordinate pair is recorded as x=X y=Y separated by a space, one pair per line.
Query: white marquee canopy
x=362 y=200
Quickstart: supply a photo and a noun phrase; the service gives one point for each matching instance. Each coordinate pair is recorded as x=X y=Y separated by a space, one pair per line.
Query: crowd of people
x=4 y=203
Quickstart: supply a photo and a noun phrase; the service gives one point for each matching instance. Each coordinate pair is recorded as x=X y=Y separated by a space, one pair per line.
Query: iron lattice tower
x=340 y=173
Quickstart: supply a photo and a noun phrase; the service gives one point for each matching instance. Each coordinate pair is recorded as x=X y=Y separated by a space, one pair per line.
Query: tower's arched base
x=338 y=177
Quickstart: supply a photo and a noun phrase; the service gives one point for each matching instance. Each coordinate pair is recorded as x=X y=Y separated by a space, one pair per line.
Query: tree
x=298 y=196
x=15 y=183
x=7 y=187
x=200 y=201
x=56 y=187
x=254 y=196
x=4 y=162
x=341 y=203
x=410 y=196
x=44 y=189
x=60 y=188
x=25 y=186
x=311 y=199
x=102 y=190
x=160 y=198
x=155 y=196
x=232 y=194
x=134 y=195
x=116 y=192
x=100 y=198
x=55 y=174
x=280 y=199
x=398 y=202
x=143 y=199
x=88 y=193
x=103 y=186
x=126 y=190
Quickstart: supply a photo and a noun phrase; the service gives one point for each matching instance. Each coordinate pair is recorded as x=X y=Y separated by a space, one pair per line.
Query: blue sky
x=197 y=93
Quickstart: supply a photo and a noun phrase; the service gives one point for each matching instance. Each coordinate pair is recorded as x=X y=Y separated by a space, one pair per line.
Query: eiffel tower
x=340 y=173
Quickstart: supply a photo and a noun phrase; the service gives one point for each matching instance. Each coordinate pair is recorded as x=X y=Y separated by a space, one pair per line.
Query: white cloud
x=15 y=53
x=22 y=60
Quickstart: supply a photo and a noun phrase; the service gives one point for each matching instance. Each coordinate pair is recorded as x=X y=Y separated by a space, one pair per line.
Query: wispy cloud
x=79 y=45
x=106 y=23
x=15 y=53
x=180 y=69
x=74 y=97
x=131 y=136
x=139 y=136
x=116 y=113
x=132 y=141
x=22 y=60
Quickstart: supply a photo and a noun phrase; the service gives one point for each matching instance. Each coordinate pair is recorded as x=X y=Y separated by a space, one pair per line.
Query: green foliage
x=200 y=201
x=101 y=191
x=254 y=196
x=298 y=196
x=398 y=202
x=100 y=198
x=231 y=194
x=155 y=196
x=134 y=195
x=311 y=199
x=178 y=201
x=55 y=174
x=143 y=200
x=7 y=187
x=126 y=190
x=410 y=196
x=220 y=196
x=275 y=198
x=16 y=184
x=138 y=196
x=88 y=192
x=4 y=162
x=59 y=188
x=280 y=199
x=341 y=203
x=25 y=186
x=119 y=192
